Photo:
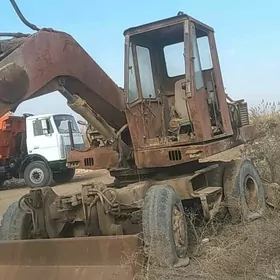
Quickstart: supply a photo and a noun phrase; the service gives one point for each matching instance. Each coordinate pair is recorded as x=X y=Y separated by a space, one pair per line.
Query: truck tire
x=2 y=181
x=64 y=176
x=16 y=224
x=165 y=227
x=243 y=191
x=37 y=174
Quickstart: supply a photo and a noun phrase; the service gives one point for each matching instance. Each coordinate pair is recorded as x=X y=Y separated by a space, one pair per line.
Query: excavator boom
x=29 y=67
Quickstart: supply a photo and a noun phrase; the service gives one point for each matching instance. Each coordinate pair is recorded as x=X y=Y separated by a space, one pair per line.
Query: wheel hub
x=36 y=176
x=179 y=230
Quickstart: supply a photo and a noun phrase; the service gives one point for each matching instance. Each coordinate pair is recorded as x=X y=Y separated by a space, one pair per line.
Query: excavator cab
x=173 y=76
x=174 y=88
x=170 y=64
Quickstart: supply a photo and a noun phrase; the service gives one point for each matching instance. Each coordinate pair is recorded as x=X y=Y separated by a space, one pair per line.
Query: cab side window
x=42 y=127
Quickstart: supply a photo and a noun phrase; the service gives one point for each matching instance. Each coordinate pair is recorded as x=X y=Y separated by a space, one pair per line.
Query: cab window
x=42 y=127
x=145 y=72
x=132 y=86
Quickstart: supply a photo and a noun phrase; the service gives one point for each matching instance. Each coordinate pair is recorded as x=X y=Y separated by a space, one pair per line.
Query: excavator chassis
x=99 y=232
x=93 y=233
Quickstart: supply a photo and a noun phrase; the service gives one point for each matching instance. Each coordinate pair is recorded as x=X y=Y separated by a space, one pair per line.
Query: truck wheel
x=165 y=227
x=37 y=174
x=64 y=176
x=243 y=191
x=2 y=181
x=16 y=224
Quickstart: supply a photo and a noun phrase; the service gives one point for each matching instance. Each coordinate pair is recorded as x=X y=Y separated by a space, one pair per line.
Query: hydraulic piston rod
x=80 y=106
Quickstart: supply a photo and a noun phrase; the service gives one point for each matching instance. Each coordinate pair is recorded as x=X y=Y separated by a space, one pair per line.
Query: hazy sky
x=247 y=36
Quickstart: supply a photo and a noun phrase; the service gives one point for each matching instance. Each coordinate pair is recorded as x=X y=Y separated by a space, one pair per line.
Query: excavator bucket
x=91 y=258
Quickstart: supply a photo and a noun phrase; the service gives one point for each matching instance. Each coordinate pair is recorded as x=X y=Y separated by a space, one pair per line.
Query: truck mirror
x=82 y=122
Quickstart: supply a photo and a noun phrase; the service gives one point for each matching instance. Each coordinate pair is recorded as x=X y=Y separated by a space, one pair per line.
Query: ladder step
x=208 y=190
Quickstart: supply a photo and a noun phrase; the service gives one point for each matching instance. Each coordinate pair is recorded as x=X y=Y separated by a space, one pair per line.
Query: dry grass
x=251 y=251
x=227 y=252
x=243 y=251
x=264 y=150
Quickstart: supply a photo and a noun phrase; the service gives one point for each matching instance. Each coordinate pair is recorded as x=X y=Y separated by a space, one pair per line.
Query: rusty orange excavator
x=152 y=137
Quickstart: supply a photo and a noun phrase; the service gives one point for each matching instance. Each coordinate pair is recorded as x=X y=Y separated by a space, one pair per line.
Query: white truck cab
x=48 y=139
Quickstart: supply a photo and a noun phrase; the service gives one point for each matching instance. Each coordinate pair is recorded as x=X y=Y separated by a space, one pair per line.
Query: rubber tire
x=234 y=192
x=2 y=182
x=157 y=224
x=46 y=170
x=64 y=176
x=15 y=224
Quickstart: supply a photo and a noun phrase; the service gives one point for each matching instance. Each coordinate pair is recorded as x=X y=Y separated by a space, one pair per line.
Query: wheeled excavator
x=153 y=136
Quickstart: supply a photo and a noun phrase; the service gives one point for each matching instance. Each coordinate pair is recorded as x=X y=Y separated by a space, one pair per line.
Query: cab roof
x=46 y=116
x=180 y=18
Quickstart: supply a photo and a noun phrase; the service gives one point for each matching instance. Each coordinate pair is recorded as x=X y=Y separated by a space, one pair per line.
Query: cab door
x=144 y=109
x=42 y=139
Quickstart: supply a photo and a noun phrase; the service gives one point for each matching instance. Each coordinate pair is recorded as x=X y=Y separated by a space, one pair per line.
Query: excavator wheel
x=64 y=176
x=243 y=191
x=16 y=224
x=165 y=227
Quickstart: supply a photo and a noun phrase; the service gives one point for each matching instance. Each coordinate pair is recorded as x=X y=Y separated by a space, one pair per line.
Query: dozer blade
x=84 y=258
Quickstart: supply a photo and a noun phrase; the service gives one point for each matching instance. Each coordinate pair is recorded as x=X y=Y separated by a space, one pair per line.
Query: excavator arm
x=30 y=67
x=50 y=61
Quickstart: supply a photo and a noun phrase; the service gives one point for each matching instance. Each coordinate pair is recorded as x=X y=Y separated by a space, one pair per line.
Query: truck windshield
x=61 y=122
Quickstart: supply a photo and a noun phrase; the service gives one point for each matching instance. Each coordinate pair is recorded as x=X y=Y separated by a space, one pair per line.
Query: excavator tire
x=165 y=227
x=37 y=174
x=16 y=224
x=243 y=191
x=64 y=176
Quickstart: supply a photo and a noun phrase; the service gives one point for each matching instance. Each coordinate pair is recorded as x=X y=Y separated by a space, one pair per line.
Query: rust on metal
x=178 y=115
x=162 y=126
x=48 y=55
x=202 y=114
x=14 y=83
x=102 y=258
x=93 y=158
x=172 y=156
